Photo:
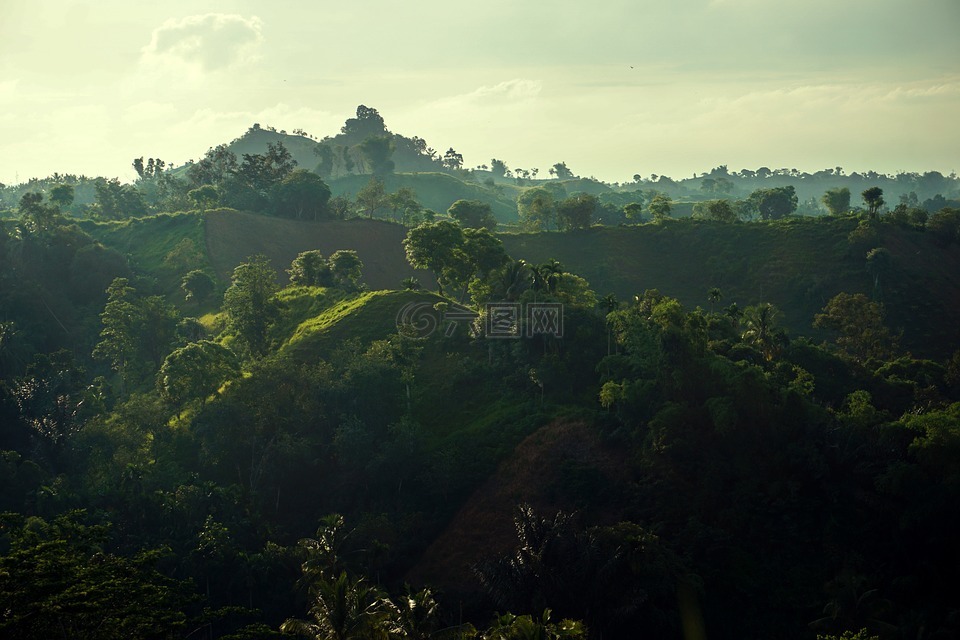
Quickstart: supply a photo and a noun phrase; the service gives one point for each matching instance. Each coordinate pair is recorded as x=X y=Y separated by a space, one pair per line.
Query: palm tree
x=609 y=303
x=714 y=295
x=761 y=329
x=551 y=273
x=344 y=609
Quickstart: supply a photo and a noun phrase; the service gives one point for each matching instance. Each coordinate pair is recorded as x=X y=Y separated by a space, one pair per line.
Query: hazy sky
x=613 y=88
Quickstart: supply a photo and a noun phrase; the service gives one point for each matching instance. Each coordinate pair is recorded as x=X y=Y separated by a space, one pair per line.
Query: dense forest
x=350 y=388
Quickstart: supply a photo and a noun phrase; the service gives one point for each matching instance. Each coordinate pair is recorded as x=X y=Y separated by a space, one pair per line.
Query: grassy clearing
x=366 y=317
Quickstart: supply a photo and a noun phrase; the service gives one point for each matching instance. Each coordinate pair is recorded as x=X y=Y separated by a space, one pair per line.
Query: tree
x=377 y=151
x=302 y=194
x=714 y=295
x=35 y=216
x=775 y=203
x=498 y=168
x=761 y=329
x=343 y=609
x=660 y=207
x=873 y=198
x=859 y=323
x=561 y=171
x=249 y=303
x=404 y=205
x=372 y=197
x=62 y=196
x=204 y=196
x=367 y=123
x=945 y=226
x=537 y=209
x=434 y=247
x=473 y=214
x=346 y=269
x=310 y=269
x=836 y=200
x=719 y=210
x=452 y=160
x=633 y=211
x=218 y=164
x=115 y=201
x=121 y=318
x=198 y=285
x=577 y=212
x=195 y=371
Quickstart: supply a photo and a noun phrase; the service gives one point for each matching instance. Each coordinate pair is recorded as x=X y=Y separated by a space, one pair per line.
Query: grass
x=365 y=317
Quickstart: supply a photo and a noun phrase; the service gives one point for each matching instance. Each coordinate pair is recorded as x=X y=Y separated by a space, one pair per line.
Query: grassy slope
x=367 y=317
x=147 y=241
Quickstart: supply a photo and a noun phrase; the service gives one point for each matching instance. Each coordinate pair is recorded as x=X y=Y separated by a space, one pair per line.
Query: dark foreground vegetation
x=205 y=446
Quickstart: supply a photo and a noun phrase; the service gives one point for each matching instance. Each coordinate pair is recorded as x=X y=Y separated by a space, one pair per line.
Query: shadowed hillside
x=233 y=237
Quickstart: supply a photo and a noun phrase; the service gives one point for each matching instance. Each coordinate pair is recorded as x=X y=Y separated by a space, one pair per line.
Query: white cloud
x=208 y=42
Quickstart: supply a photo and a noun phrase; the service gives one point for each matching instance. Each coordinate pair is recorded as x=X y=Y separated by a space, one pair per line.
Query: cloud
x=209 y=42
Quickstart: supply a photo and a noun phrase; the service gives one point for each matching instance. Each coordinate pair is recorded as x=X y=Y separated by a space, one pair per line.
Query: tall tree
x=435 y=247
x=250 y=304
x=873 y=198
x=372 y=197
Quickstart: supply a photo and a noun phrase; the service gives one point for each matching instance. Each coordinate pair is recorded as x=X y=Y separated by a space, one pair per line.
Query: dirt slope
x=562 y=463
x=233 y=236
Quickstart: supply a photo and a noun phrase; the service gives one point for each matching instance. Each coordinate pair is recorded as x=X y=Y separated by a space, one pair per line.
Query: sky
x=613 y=88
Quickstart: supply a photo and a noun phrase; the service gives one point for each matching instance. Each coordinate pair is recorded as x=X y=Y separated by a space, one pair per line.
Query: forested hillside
x=387 y=396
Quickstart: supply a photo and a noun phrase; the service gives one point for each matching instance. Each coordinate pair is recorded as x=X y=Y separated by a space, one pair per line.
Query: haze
x=613 y=88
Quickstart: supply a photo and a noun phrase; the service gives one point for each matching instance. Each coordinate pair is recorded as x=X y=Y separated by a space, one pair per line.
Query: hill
x=797 y=265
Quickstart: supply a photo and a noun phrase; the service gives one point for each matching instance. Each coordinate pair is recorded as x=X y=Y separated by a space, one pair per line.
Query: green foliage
x=195 y=371
x=719 y=210
x=198 y=286
x=310 y=269
x=577 y=211
x=660 y=207
x=859 y=323
x=301 y=195
x=376 y=151
x=775 y=203
x=250 y=305
x=537 y=209
x=346 y=269
x=472 y=214
x=58 y=580
x=836 y=200
x=873 y=198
